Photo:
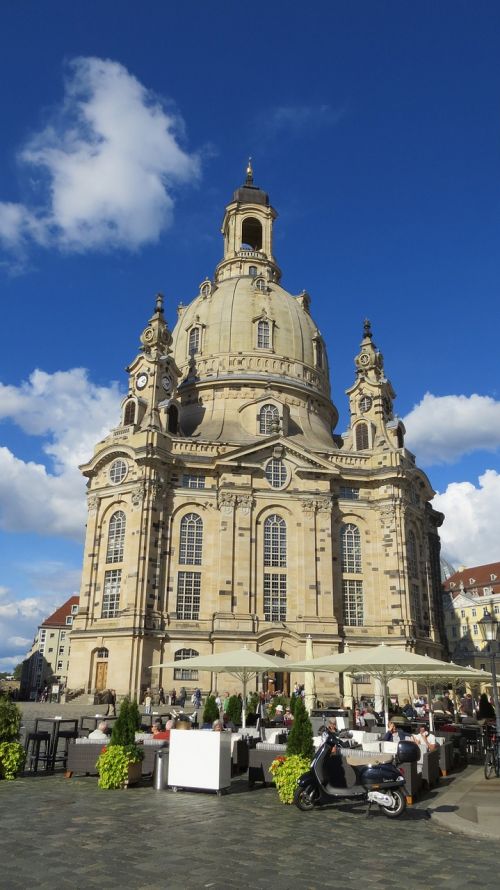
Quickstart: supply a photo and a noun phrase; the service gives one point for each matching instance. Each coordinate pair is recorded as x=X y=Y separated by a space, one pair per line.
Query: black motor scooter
x=333 y=778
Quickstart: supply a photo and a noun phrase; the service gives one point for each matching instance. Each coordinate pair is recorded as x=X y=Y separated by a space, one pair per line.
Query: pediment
x=257 y=453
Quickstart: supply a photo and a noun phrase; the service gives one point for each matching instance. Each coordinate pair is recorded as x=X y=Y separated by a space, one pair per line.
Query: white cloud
x=470 y=534
x=108 y=163
x=441 y=429
x=70 y=414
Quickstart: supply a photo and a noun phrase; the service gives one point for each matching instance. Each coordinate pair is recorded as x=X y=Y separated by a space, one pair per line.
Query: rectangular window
x=61 y=650
x=111 y=595
x=69 y=619
x=473 y=613
x=188 y=595
x=192 y=480
x=74 y=609
x=483 y=667
x=63 y=635
x=59 y=665
x=463 y=613
x=274 y=596
x=496 y=610
x=50 y=649
x=353 y=603
x=453 y=631
x=349 y=493
x=475 y=629
x=464 y=630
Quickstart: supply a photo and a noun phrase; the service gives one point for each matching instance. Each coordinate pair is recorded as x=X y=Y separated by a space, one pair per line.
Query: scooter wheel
x=398 y=805
x=305 y=799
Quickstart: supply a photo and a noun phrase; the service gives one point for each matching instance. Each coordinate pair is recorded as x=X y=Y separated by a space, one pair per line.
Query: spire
x=367 y=328
x=249 y=179
x=159 y=303
x=156 y=338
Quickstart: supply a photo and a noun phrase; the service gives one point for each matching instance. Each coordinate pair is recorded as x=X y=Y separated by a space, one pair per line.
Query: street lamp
x=489 y=631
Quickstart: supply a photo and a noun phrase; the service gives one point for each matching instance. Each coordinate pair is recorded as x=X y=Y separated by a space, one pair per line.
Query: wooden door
x=101 y=675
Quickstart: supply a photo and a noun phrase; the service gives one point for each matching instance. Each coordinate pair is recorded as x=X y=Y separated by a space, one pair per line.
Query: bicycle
x=491 y=759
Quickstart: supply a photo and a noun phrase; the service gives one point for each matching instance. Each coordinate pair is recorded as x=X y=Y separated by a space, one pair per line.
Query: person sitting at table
x=466 y=718
x=426 y=741
x=394 y=734
x=408 y=710
x=359 y=720
x=288 y=717
x=278 y=715
x=159 y=731
x=217 y=726
x=102 y=731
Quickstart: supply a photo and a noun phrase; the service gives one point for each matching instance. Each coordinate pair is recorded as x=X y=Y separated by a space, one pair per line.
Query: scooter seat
x=353 y=791
x=369 y=759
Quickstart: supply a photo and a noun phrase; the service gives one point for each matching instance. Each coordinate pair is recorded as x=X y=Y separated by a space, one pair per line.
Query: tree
x=18 y=671
x=210 y=711
x=300 y=739
x=233 y=710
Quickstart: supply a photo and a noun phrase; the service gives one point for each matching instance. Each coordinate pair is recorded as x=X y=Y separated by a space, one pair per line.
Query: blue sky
x=125 y=129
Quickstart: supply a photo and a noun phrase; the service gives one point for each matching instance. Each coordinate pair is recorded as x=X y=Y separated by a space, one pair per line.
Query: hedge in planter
x=300 y=737
x=116 y=758
x=12 y=753
x=286 y=772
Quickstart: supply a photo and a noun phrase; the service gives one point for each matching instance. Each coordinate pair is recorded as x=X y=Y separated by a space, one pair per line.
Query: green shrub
x=210 y=711
x=233 y=710
x=10 y=720
x=112 y=766
x=12 y=759
x=300 y=738
x=253 y=701
x=286 y=772
x=273 y=704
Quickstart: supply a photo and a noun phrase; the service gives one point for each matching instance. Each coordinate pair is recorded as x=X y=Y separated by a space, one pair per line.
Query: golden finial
x=249 y=172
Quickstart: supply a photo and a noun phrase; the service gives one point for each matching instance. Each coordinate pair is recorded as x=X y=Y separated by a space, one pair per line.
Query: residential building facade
x=47 y=661
x=468 y=594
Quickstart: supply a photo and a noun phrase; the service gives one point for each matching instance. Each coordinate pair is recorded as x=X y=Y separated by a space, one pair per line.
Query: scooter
x=334 y=778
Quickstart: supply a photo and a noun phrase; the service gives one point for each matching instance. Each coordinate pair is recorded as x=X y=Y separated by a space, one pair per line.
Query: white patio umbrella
x=244 y=664
x=381 y=662
x=309 y=684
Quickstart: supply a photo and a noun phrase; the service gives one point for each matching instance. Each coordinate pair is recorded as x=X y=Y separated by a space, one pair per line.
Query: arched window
x=185 y=673
x=191 y=540
x=252 y=270
x=102 y=652
x=251 y=233
x=269 y=417
x=411 y=554
x=263 y=334
x=351 y=548
x=116 y=537
x=361 y=437
x=129 y=413
x=194 y=340
x=275 y=541
x=173 y=419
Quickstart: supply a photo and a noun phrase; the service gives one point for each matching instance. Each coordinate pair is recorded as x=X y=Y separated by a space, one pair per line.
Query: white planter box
x=199 y=759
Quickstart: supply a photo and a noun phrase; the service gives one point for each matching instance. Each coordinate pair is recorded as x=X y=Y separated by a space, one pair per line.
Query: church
x=223 y=509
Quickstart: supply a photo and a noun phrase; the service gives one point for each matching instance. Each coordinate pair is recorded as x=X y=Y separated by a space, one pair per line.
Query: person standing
x=111 y=703
x=161 y=696
x=148 y=702
x=182 y=697
x=173 y=697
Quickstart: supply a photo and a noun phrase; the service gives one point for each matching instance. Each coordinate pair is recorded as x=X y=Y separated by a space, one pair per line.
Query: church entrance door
x=277 y=681
x=101 y=676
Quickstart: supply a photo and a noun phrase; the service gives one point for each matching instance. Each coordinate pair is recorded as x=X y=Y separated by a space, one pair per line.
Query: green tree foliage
x=10 y=720
x=18 y=671
x=210 y=711
x=233 y=710
x=300 y=739
x=277 y=700
x=123 y=728
x=253 y=701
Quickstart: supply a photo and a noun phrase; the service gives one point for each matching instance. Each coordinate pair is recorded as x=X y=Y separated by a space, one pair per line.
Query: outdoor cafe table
x=58 y=729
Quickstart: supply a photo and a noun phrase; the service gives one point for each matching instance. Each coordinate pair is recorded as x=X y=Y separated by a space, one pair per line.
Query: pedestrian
x=182 y=697
x=110 y=700
x=196 y=699
x=173 y=697
x=161 y=696
x=148 y=702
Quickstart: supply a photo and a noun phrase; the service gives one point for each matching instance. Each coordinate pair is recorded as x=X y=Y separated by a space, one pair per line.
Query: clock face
x=364 y=358
x=166 y=382
x=141 y=380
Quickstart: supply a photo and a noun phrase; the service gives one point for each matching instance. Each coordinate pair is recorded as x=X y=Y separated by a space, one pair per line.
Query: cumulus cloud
x=69 y=414
x=442 y=429
x=471 y=531
x=19 y=620
x=108 y=164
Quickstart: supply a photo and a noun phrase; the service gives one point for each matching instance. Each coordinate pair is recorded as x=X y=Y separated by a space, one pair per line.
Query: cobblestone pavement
x=62 y=833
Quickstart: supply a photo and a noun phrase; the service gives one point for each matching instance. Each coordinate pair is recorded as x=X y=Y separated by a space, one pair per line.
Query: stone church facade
x=222 y=509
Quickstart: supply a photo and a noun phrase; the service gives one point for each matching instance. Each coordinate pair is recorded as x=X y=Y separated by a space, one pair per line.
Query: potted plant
x=119 y=764
x=233 y=710
x=300 y=750
x=12 y=753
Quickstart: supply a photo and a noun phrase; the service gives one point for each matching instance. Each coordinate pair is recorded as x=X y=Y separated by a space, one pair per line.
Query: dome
x=245 y=338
